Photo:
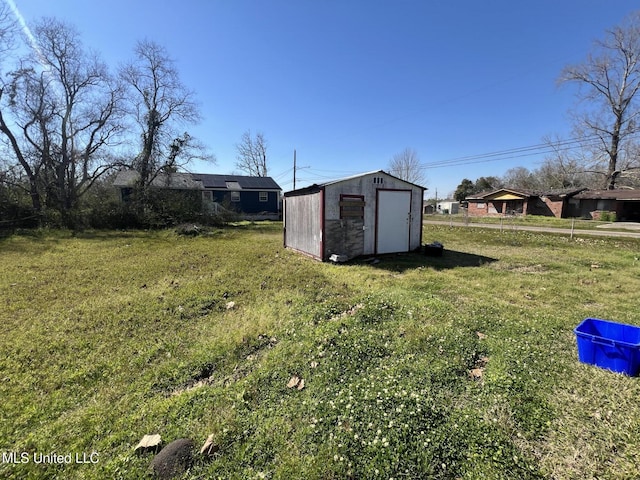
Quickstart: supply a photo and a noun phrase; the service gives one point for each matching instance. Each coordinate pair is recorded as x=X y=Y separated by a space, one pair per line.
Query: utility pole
x=295 y=169
x=435 y=207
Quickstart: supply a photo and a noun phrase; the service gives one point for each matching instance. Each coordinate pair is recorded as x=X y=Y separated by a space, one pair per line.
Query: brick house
x=506 y=201
x=593 y=203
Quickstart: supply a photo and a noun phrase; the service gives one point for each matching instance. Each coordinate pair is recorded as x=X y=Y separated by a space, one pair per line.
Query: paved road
x=634 y=229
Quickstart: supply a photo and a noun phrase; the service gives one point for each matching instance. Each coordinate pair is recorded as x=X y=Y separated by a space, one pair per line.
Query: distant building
x=249 y=196
x=505 y=201
x=593 y=203
x=568 y=203
x=444 y=207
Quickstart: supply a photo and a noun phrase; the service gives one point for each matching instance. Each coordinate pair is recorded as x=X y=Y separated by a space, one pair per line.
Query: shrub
x=607 y=216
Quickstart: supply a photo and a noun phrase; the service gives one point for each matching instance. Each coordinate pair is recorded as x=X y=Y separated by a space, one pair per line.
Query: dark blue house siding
x=249 y=201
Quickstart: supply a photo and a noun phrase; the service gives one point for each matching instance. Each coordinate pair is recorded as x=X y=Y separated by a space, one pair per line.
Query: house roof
x=493 y=193
x=236 y=182
x=198 y=181
x=319 y=186
x=565 y=192
x=173 y=181
x=626 y=194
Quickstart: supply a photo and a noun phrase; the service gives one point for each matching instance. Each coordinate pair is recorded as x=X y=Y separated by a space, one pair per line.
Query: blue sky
x=348 y=83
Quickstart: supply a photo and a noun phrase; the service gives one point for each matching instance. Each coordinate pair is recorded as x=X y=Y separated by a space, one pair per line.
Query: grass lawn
x=525 y=221
x=463 y=366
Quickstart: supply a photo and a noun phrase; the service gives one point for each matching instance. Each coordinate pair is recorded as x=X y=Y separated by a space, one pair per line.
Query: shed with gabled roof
x=367 y=214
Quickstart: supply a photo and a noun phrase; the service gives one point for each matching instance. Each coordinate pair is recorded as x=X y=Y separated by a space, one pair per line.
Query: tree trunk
x=34 y=192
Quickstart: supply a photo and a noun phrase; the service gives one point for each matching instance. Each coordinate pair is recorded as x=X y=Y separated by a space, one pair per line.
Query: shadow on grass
x=408 y=261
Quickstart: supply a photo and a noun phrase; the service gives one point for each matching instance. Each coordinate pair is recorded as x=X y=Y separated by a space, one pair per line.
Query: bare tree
x=521 y=177
x=568 y=166
x=609 y=81
x=159 y=104
x=406 y=165
x=65 y=112
x=8 y=30
x=252 y=154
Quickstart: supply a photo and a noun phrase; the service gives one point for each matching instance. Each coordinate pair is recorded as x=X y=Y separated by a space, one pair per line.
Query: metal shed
x=367 y=214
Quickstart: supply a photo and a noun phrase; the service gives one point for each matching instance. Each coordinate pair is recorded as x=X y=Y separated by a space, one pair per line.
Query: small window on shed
x=378 y=180
x=264 y=196
x=352 y=206
x=235 y=196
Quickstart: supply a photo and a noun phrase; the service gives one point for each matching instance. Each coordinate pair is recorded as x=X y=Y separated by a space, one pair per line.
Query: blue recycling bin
x=610 y=345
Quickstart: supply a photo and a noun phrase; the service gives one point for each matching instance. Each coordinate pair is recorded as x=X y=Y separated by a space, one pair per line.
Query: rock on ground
x=174 y=459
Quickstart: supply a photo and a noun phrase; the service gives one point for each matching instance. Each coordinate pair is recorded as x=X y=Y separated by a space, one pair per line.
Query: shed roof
x=319 y=186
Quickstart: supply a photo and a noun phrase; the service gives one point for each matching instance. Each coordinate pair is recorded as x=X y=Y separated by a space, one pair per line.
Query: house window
x=352 y=206
x=126 y=194
x=264 y=196
x=207 y=196
x=605 y=204
x=235 y=196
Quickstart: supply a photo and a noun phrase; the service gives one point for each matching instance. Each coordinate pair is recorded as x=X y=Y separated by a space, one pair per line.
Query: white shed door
x=394 y=219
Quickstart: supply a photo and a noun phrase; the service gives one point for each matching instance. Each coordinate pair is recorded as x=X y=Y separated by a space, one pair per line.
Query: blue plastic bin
x=610 y=345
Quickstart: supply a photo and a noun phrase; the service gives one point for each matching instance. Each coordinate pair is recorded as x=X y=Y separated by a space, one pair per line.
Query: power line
x=518 y=152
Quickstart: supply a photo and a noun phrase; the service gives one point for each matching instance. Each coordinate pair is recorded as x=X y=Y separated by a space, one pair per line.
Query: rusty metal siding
x=303 y=223
x=313 y=223
x=344 y=237
x=354 y=186
x=367 y=185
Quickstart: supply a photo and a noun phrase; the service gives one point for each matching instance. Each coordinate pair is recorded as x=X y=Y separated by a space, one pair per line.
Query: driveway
x=632 y=230
x=625 y=225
